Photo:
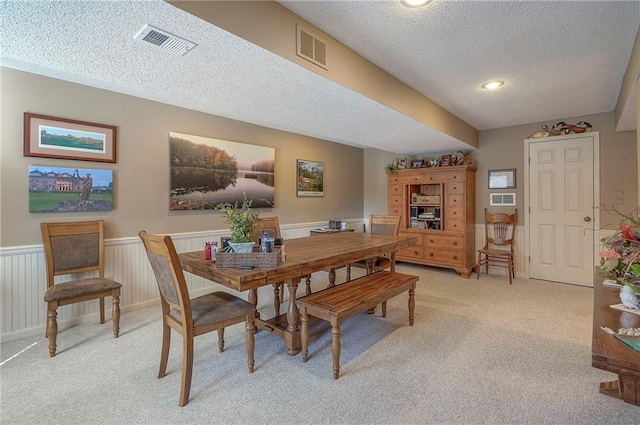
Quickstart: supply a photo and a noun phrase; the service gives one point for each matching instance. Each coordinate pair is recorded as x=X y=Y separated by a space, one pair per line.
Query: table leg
x=292 y=336
x=332 y=278
x=253 y=300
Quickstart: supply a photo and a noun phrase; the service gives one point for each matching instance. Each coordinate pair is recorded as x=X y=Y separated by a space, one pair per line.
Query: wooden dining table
x=304 y=256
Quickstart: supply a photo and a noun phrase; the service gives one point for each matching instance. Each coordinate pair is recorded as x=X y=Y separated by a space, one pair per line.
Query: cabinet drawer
x=454 y=225
x=452 y=177
x=444 y=241
x=395 y=201
x=448 y=256
x=416 y=251
x=419 y=238
x=395 y=190
x=455 y=188
x=397 y=210
x=455 y=213
x=455 y=201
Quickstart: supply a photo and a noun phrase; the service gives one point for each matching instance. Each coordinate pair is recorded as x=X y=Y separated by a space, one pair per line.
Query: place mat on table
x=623 y=307
x=632 y=341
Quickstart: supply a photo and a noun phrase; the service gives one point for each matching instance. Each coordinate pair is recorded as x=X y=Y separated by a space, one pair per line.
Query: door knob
x=587 y=219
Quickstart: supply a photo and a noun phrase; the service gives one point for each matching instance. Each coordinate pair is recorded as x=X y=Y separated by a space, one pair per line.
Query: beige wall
x=504 y=148
x=141 y=175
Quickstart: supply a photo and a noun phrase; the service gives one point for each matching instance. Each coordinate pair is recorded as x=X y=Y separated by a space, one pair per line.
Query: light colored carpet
x=479 y=352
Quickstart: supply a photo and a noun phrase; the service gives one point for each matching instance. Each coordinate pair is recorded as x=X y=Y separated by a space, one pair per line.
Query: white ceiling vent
x=502 y=199
x=167 y=41
x=310 y=47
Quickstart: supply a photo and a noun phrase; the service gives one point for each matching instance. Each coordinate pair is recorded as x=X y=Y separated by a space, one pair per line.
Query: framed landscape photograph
x=206 y=172
x=309 y=178
x=59 y=189
x=50 y=137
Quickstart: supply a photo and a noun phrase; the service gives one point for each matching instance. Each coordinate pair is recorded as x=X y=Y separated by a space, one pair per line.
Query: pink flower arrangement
x=620 y=260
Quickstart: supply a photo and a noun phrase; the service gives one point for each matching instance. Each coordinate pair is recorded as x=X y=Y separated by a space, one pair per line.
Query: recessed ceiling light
x=492 y=85
x=414 y=3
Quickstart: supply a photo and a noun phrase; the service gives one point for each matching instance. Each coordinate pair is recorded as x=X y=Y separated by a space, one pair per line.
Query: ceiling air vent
x=502 y=199
x=167 y=41
x=310 y=47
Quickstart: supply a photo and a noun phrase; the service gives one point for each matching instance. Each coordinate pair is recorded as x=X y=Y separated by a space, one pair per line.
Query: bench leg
x=412 y=303
x=384 y=309
x=304 y=333
x=335 y=350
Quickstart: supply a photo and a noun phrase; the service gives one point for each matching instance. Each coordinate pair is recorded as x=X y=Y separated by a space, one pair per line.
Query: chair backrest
x=73 y=247
x=268 y=224
x=384 y=225
x=499 y=229
x=169 y=276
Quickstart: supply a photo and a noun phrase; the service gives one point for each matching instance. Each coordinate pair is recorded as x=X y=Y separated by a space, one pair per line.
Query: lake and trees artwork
x=57 y=189
x=206 y=172
x=310 y=178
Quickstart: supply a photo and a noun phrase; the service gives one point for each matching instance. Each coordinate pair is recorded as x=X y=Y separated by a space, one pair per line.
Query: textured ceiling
x=559 y=60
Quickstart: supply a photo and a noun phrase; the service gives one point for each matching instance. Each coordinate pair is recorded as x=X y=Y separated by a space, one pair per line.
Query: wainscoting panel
x=23 y=281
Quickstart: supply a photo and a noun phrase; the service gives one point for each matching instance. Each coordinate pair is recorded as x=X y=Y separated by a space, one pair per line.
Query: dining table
x=304 y=256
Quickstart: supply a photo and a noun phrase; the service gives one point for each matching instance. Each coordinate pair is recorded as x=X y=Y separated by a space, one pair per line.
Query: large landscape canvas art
x=58 y=189
x=206 y=172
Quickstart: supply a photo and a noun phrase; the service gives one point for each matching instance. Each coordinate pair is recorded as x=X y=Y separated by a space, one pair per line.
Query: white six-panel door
x=561 y=209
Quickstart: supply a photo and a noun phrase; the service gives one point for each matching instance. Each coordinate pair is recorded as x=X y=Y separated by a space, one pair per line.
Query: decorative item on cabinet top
x=561 y=128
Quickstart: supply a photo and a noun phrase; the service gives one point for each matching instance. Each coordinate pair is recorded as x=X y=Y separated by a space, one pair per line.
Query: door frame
x=596 y=191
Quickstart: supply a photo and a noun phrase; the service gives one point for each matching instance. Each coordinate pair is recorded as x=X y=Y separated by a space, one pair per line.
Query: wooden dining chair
x=271 y=225
x=499 y=230
x=71 y=248
x=192 y=317
x=383 y=225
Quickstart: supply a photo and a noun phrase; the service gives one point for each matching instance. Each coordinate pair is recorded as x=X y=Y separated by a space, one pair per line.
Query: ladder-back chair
x=499 y=232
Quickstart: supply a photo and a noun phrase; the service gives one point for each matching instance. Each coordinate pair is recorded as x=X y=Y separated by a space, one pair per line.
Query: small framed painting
x=416 y=163
x=310 y=178
x=50 y=137
x=445 y=160
x=502 y=179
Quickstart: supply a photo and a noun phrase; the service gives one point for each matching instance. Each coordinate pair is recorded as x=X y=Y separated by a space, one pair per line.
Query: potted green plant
x=391 y=168
x=242 y=221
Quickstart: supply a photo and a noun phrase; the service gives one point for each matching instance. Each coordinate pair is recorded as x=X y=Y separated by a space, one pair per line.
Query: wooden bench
x=338 y=303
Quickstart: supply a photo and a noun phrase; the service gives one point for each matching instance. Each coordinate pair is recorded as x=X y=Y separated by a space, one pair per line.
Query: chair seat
x=495 y=252
x=215 y=307
x=79 y=288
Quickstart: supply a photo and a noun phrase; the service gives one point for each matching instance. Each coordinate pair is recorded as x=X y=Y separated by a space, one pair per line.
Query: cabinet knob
x=455 y=257
x=431 y=240
x=431 y=254
x=455 y=243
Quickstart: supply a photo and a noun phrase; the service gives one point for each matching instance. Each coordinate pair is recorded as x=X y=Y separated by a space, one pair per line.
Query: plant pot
x=242 y=247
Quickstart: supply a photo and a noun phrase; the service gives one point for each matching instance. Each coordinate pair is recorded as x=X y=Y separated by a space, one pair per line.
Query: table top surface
x=303 y=257
x=605 y=349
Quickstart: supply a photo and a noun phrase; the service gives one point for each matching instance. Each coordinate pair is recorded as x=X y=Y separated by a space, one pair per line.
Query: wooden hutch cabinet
x=436 y=205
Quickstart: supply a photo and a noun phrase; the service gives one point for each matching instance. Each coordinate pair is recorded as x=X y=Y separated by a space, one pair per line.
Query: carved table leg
x=250 y=343
x=253 y=300
x=292 y=341
x=221 y=340
x=276 y=299
x=307 y=281
x=332 y=278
